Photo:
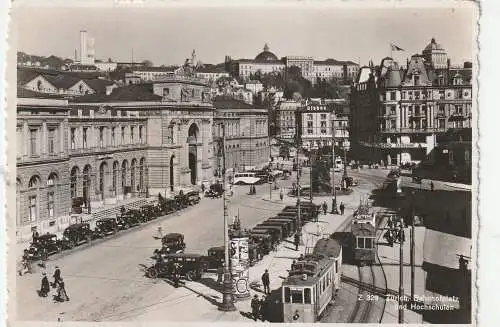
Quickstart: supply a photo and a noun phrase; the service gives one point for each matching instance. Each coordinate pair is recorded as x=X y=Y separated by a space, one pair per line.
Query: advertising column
x=239 y=265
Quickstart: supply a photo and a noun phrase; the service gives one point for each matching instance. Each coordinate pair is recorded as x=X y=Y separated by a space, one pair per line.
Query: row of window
x=305 y=295
x=35 y=140
x=423 y=124
x=127 y=135
x=420 y=95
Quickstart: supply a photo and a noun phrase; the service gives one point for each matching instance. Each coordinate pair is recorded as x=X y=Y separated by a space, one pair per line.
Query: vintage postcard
x=277 y=162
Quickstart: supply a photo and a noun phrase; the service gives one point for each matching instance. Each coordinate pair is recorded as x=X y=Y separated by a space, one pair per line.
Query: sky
x=167 y=35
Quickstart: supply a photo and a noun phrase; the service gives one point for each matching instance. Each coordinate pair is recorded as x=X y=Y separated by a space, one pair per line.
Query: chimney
x=83 y=47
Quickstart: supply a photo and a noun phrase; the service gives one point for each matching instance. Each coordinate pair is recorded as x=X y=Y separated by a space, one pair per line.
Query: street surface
x=106 y=282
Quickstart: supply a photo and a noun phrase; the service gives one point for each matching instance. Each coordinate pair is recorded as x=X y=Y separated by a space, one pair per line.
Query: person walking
x=325 y=207
x=281 y=195
x=202 y=189
x=296 y=241
x=263 y=308
x=57 y=277
x=342 y=208
x=266 y=282
x=45 y=288
x=61 y=292
x=255 y=304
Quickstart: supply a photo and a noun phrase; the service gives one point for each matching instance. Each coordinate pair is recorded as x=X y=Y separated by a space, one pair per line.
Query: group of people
x=58 y=283
x=325 y=208
x=395 y=231
x=259 y=308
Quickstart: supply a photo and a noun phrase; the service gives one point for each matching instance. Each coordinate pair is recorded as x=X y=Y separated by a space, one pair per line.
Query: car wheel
x=190 y=275
x=152 y=273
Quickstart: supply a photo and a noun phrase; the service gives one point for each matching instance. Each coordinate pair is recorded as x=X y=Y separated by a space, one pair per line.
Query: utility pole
x=227 y=297
x=401 y=286
x=299 y=224
x=412 y=246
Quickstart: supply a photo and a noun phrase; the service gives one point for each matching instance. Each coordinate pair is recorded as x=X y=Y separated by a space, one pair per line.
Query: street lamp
x=334 y=195
x=227 y=297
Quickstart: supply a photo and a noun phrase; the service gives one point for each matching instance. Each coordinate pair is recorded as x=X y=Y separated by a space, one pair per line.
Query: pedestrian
x=45 y=288
x=263 y=308
x=432 y=186
x=296 y=241
x=342 y=207
x=281 y=195
x=266 y=282
x=26 y=263
x=203 y=188
x=57 y=277
x=325 y=207
x=220 y=272
x=61 y=292
x=255 y=307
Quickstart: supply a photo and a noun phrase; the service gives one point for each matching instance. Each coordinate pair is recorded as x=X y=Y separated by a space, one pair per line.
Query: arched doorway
x=192 y=158
x=171 y=167
x=133 y=165
x=114 y=185
x=142 y=163
x=87 y=171
x=124 y=176
x=73 y=181
x=103 y=172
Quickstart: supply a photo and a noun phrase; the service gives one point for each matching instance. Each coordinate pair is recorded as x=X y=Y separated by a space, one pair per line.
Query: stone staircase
x=115 y=210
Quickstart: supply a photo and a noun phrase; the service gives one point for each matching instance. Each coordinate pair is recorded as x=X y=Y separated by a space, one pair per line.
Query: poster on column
x=239 y=266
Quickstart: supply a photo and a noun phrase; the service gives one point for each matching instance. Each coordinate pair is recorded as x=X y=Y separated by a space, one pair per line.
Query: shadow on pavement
x=211 y=283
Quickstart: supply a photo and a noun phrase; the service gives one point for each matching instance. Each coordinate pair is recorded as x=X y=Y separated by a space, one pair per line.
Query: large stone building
x=319 y=119
x=267 y=62
x=104 y=148
x=246 y=133
x=399 y=114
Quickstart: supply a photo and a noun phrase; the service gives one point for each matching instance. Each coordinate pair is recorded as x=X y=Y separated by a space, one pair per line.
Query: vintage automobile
x=193 y=197
x=105 y=227
x=215 y=258
x=262 y=240
x=190 y=266
x=137 y=214
x=172 y=243
x=149 y=212
x=77 y=234
x=43 y=246
x=130 y=219
x=181 y=201
x=215 y=191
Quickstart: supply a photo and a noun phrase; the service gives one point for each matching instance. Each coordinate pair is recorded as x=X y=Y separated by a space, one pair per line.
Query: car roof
x=76 y=226
x=172 y=235
x=46 y=236
x=106 y=219
x=217 y=248
x=184 y=255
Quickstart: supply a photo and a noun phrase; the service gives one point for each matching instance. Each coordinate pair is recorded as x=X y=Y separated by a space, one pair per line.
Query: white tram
x=312 y=283
x=364 y=215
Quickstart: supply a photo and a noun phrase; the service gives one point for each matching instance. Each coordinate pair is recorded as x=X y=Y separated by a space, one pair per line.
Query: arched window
x=51 y=194
x=73 y=181
x=133 y=165
x=116 y=168
x=33 y=198
x=34 y=182
x=142 y=163
x=124 y=175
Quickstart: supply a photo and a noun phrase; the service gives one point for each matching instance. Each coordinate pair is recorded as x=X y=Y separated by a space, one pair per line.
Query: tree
x=147 y=63
x=321 y=164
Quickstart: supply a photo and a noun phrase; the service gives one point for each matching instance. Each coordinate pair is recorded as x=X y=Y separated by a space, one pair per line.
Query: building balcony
x=382 y=145
x=406 y=130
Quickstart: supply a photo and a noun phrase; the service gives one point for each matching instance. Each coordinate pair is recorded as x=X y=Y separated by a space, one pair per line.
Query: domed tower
x=435 y=55
x=266 y=55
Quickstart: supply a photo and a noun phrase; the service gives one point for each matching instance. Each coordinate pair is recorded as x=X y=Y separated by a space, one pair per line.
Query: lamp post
x=227 y=297
x=334 y=194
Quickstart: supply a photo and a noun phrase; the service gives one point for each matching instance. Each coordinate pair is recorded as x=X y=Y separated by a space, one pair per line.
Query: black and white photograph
x=237 y=163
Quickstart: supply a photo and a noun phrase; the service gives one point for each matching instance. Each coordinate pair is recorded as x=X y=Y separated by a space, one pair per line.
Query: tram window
x=368 y=243
x=360 y=243
x=297 y=296
x=307 y=296
x=287 y=294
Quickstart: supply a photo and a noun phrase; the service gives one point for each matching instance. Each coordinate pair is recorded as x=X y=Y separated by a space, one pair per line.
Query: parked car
x=149 y=211
x=172 y=243
x=193 y=197
x=77 y=234
x=191 y=266
x=129 y=219
x=43 y=246
x=215 y=258
x=105 y=227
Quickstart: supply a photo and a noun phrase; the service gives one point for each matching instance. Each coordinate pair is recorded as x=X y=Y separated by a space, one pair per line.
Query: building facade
x=102 y=149
x=286 y=112
x=398 y=114
x=323 y=124
x=267 y=62
x=246 y=134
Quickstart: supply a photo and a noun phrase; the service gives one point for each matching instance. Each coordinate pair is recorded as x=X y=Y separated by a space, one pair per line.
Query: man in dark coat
x=342 y=208
x=266 y=282
x=255 y=304
x=325 y=208
x=263 y=308
x=57 y=277
x=296 y=241
x=45 y=288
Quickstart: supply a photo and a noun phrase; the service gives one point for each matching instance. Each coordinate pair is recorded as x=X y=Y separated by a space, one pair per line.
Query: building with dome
x=403 y=114
x=267 y=62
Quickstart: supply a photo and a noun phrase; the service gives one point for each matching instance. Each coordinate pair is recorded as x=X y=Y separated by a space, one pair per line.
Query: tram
x=312 y=283
x=363 y=243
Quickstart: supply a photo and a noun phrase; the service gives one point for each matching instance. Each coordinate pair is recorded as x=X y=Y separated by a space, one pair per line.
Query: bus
x=246 y=178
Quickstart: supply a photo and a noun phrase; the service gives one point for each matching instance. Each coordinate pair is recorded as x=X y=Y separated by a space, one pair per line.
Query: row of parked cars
x=74 y=235
x=262 y=239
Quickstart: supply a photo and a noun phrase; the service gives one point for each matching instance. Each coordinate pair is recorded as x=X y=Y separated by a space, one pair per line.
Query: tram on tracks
x=363 y=243
x=312 y=283
x=364 y=214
